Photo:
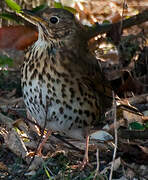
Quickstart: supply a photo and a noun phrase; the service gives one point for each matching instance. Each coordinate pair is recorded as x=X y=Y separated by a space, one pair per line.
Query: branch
x=133 y=134
x=104 y=28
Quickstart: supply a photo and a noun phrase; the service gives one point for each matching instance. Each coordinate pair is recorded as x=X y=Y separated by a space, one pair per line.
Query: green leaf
x=46 y=171
x=59 y=5
x=72 y=10
x=4 y=60
x=146 y=125
x=8 y=16
x=106 y=22
x=13 y=5
x=136 y=126
x=40 y=8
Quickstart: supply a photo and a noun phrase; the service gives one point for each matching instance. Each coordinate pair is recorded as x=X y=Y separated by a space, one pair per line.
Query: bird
x=63 y=86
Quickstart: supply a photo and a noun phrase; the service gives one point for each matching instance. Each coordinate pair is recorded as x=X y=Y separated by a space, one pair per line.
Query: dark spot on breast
x=54 y=94
x=31 y=100
x=65 y=116
x=30 y=83
x=61 y=122
x=80 y=111
x=48 y=85
x=70 y=126
x=71 y=82
x=53 y=60
x=64 y=102
x=41 y=55
x=72 y=92
x=58 y=81
x=71 y=101
x=53 y=80
x=61 y=110
x=31 y=67
x=78 y=98
x=38 y=64
x=41 y=102
x=35 y=89
x=31 y=90
x=40 y=95
x=85 y=99
x=53 y=88
x=79 y=127
x=77 y=119
x=75 y=111
x=65 y=75
x=58 y=101
x=48 y=76
x=63 y=88
x=24 y=96
x=51 y=99
x=24 y=83
x=85 y=123
x=43 y=70
x=53 y=113
x=27 y=103
x=63 y=95
x=25 y=68
x=90 y=103
x=80 y=89
x=68 y=106
x=34 y=74
x=70 y=118
x=49 y=91
x=93 y=116
x=40 y=77
x=66 y=80
x=87 y=113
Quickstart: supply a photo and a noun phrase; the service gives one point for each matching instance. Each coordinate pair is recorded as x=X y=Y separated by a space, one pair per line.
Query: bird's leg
x=85 y=159
x=39 y=150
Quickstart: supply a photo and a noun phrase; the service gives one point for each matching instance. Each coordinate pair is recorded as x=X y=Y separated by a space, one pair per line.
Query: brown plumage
x=61 y=80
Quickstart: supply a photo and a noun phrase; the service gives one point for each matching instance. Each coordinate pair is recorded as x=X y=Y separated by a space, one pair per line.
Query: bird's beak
x=32 y=17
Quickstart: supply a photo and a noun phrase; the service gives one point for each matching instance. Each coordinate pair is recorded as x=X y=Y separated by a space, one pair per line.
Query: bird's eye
x=54 y=19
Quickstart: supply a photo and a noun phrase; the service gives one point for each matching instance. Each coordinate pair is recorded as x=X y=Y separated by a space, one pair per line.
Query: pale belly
x=61 y=108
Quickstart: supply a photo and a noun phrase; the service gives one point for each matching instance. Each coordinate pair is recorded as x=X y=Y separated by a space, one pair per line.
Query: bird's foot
x=39 y=149
x=82 y=164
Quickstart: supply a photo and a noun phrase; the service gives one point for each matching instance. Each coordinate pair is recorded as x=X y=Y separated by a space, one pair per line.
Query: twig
x=97 y=169
x=134 y=20
x=133 y=134
x=121 y=25
x=116 y=136
x=143 y=98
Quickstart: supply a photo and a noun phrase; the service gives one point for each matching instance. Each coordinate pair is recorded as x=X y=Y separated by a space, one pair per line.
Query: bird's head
x=55 y=25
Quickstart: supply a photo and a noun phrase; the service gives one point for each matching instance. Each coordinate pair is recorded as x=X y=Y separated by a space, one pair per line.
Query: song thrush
x=63 y=86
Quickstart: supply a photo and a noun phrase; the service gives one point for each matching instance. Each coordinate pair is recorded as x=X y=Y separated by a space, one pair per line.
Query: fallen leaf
x=17 y=37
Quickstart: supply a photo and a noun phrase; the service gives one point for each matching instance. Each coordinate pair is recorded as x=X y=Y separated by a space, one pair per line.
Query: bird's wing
x=91 y=76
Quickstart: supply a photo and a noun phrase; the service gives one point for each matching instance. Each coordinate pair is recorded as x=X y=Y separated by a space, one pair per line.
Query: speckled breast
x=56 y=97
